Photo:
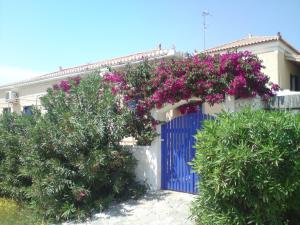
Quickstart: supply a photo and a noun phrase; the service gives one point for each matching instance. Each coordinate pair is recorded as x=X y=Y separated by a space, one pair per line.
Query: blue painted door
x=177 y=151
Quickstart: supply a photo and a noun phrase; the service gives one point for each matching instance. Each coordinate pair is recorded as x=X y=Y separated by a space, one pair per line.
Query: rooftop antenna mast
x=204 y=14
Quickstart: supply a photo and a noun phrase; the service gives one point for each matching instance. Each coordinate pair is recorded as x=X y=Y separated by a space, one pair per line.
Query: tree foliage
x=13 y=132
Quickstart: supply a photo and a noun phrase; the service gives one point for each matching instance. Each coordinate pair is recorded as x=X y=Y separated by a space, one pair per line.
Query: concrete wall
x=270 y=61
x=212 y=110
x=285 y=101
x=235 y=105
x=148 y=168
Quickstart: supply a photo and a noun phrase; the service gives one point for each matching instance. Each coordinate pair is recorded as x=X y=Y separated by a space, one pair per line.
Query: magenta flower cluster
x=113 y=77
x=206 y=77
x=65 y=85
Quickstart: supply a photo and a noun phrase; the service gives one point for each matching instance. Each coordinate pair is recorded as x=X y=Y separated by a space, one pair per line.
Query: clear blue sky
x=41 y=35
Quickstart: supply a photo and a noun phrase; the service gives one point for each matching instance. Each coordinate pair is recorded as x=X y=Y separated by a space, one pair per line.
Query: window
x=7 y=110
x=27 y=110
x=294 y=83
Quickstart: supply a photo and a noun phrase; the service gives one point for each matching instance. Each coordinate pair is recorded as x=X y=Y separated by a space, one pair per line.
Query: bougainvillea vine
x=208 y=78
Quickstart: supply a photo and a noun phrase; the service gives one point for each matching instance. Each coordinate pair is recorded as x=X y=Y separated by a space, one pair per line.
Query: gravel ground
x=155 y=208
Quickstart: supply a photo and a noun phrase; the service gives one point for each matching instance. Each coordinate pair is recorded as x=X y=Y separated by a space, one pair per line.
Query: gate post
x=148 y=168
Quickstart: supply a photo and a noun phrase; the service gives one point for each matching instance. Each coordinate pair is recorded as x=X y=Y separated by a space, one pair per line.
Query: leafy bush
x=68 y=161
x=13 y=129
x=75 y=160
x=249 y=163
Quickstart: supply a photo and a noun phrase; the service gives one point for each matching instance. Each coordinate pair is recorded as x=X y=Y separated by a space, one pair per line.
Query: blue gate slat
x=189 y=151
x=176 y=156
x=173 y=137
x=184 y=146
x=171 y=160
x=192 y=130
x=163 y=156
x=168 y=155
x=183 y=154
x=182 y=157
x=180 y=160
x=192 y=126
x=196 y=121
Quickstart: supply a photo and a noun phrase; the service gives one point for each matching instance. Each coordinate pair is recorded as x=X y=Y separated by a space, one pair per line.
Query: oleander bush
x=13 y=181
x=249 y=163
x=67 y=162
x=76 y=162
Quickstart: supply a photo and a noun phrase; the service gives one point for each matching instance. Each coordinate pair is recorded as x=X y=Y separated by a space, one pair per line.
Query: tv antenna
x=204 y=14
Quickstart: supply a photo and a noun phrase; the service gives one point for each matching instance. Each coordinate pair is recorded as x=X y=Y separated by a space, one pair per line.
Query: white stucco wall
x=271 y=63
x=28 y=96
x=148 y=167
x=235 y=105
x=212 y=109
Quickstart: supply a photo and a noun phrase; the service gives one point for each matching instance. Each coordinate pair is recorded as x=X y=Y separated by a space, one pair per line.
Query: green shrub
x=67 y=162
x=249 y=163
x=75 y=160
x=13 y=129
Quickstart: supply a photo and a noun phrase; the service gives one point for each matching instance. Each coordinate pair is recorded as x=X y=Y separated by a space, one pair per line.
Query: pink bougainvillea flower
x=113 y=77
x=275 y=87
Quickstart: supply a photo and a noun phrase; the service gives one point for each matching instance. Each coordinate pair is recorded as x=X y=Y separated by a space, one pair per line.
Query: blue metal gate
x=177 y=151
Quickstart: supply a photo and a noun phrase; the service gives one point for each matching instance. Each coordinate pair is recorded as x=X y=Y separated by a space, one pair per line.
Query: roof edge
x=278 y=37
x=82 y=69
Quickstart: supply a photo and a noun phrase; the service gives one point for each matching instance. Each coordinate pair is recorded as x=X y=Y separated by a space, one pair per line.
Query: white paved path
x=156 y=208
